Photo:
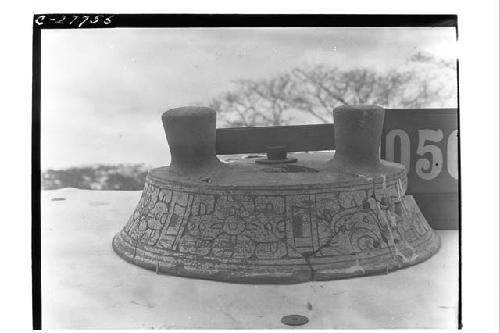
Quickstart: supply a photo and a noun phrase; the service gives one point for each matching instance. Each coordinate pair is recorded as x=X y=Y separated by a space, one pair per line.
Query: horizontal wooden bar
x=242 y=140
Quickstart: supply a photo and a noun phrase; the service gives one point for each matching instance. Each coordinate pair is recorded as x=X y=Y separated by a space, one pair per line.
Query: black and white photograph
x=246 y=171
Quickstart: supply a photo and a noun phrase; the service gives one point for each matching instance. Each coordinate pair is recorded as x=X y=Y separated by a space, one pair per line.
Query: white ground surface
x=86 y=285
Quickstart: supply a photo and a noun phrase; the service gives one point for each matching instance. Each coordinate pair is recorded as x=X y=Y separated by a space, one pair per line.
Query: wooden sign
x=424 y=140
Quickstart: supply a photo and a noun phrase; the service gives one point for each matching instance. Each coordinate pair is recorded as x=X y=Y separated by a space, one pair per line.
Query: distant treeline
x=100 y=177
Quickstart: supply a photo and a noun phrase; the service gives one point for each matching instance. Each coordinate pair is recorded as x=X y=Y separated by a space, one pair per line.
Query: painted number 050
x=430 y=165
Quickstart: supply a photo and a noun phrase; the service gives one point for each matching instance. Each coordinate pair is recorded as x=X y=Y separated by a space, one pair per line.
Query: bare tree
x=429 y=82
x=320 y=88
x=256 y=102
x=316 y=90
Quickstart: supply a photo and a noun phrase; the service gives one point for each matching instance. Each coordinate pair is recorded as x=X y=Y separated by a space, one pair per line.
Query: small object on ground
x=58 y=199
x=294 y=320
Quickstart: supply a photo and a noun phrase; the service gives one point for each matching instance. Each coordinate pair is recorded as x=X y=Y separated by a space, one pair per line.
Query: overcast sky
x=103 y=90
